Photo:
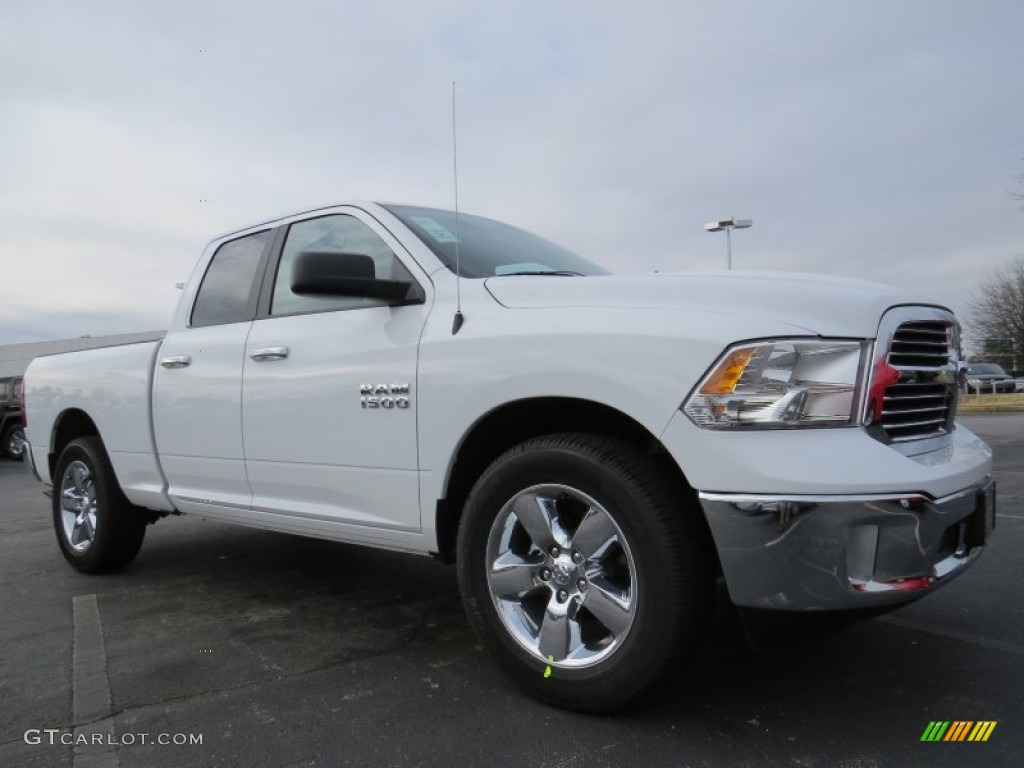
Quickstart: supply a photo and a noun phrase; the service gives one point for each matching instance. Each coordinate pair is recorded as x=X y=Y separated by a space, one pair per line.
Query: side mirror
x=329 y=273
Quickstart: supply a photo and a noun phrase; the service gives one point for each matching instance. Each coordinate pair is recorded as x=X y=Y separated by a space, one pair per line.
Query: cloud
x=879 y=143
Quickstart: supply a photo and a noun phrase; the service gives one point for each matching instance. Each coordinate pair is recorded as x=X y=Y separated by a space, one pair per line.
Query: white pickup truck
x=593 y=450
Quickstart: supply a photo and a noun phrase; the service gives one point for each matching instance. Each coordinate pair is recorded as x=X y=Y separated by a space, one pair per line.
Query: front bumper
x=845 y=552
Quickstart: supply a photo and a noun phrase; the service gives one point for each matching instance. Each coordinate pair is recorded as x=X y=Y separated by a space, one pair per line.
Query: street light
x=728 y=225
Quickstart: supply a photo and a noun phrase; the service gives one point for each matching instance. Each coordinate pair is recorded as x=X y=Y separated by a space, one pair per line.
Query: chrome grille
x=914 y=410
x=919 y=396
x=922 y=344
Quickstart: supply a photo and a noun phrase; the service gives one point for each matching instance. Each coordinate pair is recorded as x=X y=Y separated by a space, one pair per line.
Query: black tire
x=13 y=443
x=657 y=560
x=100 y=531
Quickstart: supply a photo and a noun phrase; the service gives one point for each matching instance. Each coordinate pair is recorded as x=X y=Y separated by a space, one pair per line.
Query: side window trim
x=255 y=291
x=270 y=271
x=274 y=253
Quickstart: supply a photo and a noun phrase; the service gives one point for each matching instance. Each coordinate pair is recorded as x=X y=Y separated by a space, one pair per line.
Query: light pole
x=728 y=225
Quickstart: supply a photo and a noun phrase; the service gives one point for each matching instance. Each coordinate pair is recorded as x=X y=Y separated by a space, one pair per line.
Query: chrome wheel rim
x=78 y=506
x=561 y=576
x=16 y=444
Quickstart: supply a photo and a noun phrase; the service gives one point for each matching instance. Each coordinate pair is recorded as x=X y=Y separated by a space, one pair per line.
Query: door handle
x=269 y=353
x=179 y=361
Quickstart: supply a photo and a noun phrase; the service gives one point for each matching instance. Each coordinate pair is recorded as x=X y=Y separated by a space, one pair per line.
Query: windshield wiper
x=560 y=272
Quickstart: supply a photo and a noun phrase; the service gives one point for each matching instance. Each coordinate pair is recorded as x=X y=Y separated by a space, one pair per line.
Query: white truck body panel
x=817 y=462
x=112 y=385
x=816 y=304
x=198 y=416
x=301 y=413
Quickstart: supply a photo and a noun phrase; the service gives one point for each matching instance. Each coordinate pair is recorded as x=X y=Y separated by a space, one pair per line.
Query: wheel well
x=521 y=420
x=12 y=423
x=70 y=425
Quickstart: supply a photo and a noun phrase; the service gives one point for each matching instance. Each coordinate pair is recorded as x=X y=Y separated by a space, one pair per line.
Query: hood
x=820 y=304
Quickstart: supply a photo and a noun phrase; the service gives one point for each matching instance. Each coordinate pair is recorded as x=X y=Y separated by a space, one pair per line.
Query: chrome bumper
x=814 y=553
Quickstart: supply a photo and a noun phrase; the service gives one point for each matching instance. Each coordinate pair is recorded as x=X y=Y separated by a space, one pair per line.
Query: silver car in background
x=989 y=377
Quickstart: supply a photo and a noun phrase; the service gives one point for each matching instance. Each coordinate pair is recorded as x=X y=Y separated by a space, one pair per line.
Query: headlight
x=780 y=383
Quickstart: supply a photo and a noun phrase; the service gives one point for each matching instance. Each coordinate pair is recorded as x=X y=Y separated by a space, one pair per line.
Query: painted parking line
x=90 y=688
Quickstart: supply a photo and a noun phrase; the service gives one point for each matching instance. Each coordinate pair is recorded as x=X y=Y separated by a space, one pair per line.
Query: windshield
x=986 y=368
x=488 y=248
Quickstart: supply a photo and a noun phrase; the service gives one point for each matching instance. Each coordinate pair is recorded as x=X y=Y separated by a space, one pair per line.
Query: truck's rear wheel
x=97 y=528
x=583 y=571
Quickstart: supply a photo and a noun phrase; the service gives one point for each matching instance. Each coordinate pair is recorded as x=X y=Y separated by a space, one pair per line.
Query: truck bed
x=112 y=387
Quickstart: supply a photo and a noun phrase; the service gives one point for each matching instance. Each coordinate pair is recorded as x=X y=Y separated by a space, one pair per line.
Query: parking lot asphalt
x=283 y=651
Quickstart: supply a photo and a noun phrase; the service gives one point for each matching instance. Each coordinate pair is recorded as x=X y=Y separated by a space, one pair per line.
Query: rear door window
x=230 y=287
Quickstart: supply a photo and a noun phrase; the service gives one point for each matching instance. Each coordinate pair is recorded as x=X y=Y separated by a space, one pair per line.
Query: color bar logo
x=959 y=730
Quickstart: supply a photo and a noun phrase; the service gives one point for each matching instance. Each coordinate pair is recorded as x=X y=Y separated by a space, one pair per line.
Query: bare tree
x=997 y=313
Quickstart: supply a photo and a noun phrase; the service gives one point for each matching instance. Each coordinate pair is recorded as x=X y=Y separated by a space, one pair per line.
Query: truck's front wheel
x=583 y=571
x=97 y=528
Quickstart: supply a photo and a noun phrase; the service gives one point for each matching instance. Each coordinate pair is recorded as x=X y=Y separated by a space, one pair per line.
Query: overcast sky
x=873 y=139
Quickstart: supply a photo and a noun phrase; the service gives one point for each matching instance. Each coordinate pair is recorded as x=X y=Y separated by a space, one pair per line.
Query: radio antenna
x=459 y=319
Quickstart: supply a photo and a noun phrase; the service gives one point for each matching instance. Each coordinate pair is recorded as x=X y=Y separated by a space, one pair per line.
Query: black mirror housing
x=330 y=273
